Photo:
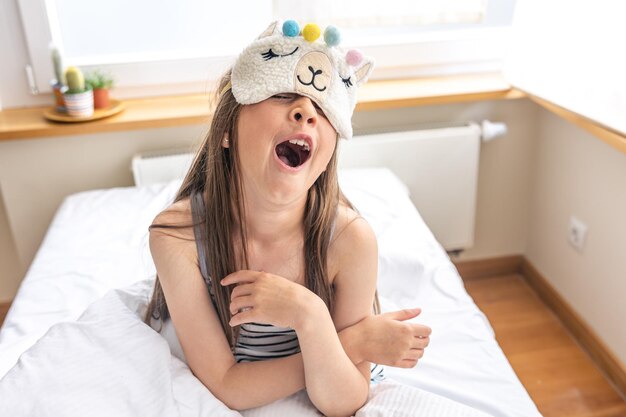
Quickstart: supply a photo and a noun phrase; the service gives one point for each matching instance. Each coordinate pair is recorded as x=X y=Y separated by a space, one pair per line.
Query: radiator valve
x=492 y=130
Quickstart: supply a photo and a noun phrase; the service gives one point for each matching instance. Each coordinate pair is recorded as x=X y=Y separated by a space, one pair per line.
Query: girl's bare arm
x=356 y=255
x=239 y=386
x=244 y=385
x=334 y=384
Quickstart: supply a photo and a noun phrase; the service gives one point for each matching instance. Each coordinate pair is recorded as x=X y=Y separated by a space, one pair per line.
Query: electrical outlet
x=577 y=233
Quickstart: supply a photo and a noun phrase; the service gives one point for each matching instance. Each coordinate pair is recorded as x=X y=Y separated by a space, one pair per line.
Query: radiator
x=160 y=166
x=439 y=166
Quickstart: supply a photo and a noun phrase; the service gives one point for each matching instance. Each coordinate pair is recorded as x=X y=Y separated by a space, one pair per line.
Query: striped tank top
x=256 y=341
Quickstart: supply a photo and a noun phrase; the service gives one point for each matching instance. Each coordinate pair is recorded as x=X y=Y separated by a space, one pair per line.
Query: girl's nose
x=304 y=112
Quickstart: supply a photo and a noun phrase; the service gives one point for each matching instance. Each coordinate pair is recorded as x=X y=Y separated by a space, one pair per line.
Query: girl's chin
x=287 y=189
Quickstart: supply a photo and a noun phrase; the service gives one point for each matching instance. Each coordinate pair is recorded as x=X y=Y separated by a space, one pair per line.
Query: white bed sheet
x=98 y=241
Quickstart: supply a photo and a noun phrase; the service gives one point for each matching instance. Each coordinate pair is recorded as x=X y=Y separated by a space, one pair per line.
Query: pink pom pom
x=354 y=57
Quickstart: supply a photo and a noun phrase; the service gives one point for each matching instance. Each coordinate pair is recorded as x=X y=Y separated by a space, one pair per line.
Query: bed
x=81 y=298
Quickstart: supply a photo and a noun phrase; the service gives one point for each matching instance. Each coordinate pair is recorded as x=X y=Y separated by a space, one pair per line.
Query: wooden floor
x=557 y=373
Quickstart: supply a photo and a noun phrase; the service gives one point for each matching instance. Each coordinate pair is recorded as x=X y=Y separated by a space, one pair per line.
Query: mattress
x=98 y=241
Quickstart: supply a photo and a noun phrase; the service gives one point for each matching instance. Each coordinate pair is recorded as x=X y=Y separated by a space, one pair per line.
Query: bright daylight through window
x=190 y=42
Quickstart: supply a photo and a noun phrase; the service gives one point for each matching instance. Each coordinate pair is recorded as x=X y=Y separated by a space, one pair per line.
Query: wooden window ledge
x=170 y=111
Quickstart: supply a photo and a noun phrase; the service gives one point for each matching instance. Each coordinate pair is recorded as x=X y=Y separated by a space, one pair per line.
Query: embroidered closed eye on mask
x=284 y=59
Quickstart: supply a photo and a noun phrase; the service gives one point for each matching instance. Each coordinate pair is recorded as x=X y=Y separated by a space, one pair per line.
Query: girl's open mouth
x=293 y=152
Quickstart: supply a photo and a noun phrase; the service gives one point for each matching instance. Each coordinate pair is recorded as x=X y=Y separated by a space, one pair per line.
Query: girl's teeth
x=300 y=142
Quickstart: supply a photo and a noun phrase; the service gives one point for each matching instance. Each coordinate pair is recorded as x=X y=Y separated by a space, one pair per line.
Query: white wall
x=575 y=173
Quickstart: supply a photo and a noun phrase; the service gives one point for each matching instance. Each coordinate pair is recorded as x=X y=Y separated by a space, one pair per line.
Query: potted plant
x=58 y=84
x=101 y=83
x=79 y=96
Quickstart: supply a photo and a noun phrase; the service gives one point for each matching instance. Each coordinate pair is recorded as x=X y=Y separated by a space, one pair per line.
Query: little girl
x=264 y=269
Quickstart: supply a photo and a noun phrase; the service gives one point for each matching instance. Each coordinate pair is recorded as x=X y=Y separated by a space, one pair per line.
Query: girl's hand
x=387 y=339
x=266 y=298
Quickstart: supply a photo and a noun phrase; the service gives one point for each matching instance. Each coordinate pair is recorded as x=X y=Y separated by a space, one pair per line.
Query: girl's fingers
x=238 y=304
x=402 y=315
x=230 y=279
x=246 y=316
x=241 y=290
x=421 y=342
x=422 y=331
x=413 y=355
x=243 y=276
x=416 y=353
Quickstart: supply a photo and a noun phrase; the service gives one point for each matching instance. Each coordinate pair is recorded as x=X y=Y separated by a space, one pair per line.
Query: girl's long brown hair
x=215 y=173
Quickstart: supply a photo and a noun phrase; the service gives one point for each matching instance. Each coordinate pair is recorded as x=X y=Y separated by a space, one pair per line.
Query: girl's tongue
x=292 y=154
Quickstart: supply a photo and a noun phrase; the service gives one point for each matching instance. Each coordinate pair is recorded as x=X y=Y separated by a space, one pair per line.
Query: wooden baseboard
x=602 y=356
x=612 y=367
x=485 y=268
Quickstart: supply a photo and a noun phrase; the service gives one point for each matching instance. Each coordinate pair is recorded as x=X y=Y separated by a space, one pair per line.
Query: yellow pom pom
x=311 y=32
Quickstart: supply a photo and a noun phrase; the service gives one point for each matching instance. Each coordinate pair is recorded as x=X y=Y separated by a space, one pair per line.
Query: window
x=572 y=59
x=164 y=46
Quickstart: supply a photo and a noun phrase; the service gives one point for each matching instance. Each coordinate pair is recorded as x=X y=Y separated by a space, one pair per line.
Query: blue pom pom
x=291 y=28
x=332 y=37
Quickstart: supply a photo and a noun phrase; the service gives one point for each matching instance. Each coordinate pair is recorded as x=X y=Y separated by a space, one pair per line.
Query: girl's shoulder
x=349 y=221
x=172 y=242
x=353 y=243
x=351 y=231
x=175 y=221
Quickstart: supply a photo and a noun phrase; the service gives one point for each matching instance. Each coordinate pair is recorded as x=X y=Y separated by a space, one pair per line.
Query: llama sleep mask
x=287 y=60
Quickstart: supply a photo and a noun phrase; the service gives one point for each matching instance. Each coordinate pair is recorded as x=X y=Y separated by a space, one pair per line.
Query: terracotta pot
x=101 y=98
x=58 y=89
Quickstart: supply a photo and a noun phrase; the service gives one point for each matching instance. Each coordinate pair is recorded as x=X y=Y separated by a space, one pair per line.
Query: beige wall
x=36 y=174
x=575 y=173
x=11 y=269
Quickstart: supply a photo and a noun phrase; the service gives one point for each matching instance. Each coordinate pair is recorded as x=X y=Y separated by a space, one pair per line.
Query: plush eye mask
x=287 y=60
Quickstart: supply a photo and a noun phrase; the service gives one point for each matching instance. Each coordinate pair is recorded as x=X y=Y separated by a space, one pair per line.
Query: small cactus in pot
x=58 y=83
x=57 y=62
x=79 y=96
x=75 y=80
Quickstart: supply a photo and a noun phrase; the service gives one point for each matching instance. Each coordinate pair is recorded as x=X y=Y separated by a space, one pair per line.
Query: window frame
x=423 y=53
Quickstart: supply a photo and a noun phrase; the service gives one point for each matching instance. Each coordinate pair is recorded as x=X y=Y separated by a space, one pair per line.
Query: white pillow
x=405 y=244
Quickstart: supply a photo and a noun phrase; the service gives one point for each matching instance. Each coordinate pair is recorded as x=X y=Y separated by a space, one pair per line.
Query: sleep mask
x=285 y=59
